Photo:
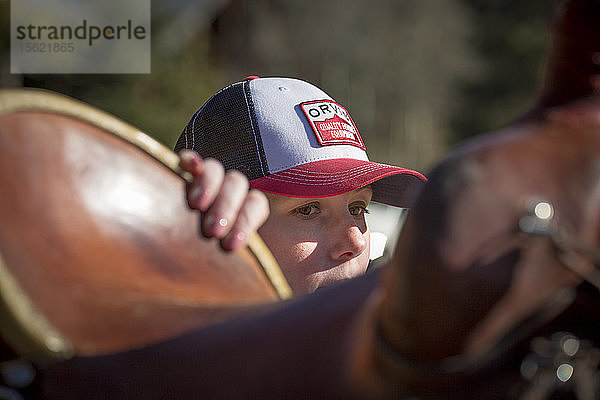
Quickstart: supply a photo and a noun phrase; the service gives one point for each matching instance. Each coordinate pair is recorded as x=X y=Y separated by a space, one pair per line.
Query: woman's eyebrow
x=289 y=200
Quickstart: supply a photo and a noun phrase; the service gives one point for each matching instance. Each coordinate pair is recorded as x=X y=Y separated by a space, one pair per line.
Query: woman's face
x=319 y=242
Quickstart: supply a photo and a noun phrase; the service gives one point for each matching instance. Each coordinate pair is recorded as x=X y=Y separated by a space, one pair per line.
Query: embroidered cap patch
x=331 y=123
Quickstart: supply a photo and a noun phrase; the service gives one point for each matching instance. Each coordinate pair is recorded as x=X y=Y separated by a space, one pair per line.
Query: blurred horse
x=492 y=292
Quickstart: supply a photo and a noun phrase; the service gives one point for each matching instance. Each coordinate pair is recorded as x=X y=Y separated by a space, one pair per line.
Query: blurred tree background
x=416 y=75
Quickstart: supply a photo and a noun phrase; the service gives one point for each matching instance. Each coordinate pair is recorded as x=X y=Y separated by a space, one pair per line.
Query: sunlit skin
x=319 y=242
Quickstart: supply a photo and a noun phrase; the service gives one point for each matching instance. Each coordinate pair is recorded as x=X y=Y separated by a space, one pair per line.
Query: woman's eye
x=357 y=210
x=307 y=210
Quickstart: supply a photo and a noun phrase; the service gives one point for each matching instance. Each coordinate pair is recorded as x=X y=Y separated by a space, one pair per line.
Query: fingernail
x=185 y=155
x=219 y=227
x=235 y=241
x=191 y=159
x=188 y=157
x=215 y=226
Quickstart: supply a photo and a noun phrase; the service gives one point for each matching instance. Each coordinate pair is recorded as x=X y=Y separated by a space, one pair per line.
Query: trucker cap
x=290 y=138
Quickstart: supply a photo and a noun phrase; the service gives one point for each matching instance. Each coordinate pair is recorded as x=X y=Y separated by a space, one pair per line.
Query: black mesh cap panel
x=225 y=128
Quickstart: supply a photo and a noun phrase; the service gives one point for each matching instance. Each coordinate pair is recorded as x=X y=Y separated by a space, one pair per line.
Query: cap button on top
x=249 y=78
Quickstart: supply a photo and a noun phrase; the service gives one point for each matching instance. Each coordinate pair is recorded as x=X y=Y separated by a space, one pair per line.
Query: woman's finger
x=251 y=216
x=222 y=213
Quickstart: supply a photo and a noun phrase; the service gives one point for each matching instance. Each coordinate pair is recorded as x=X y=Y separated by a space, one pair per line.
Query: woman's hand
x=229 y=211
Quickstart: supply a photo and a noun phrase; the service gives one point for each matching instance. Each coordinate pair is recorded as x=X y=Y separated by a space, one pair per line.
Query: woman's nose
x=349 y=242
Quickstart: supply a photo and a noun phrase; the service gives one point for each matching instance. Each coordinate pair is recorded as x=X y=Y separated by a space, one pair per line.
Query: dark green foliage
x=511 y=41
x=417 y=75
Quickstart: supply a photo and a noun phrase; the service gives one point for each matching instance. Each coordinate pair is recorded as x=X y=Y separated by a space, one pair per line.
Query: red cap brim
x=391 y=185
